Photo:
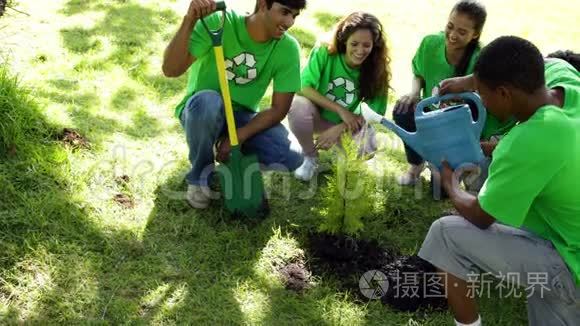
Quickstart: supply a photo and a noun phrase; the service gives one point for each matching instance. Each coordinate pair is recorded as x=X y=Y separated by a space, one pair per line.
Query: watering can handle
x=421 y=106
x=481 y=112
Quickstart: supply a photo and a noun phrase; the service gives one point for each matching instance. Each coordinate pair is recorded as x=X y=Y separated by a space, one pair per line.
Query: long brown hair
x=478 y=14
x=375 y=72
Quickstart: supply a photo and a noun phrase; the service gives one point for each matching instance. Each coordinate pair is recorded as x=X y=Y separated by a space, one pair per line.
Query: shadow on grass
x=54 y=255
x=143 y=126
x=61 y=265
x=133 y=32
x=216 y=257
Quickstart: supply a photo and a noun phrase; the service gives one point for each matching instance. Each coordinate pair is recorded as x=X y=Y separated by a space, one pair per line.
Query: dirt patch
x=73 y=139
x=295 y=276
x=345 y=256
x=348 y=259
x=11 y=152
x=124 y=200
x=413 y=284
x=123 y=179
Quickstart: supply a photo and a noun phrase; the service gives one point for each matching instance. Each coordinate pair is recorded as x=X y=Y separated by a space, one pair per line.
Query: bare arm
x=457 y=85
x=350 y=120
x=177 y=59
x=466 y=204
x=267 y=118
x=416 y=86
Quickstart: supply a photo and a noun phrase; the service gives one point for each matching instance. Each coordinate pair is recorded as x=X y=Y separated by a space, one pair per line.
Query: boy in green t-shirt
x=531 y=193
x=257 y=50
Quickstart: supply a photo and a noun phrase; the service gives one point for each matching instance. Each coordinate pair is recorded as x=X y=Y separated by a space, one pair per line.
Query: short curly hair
x=511 y=60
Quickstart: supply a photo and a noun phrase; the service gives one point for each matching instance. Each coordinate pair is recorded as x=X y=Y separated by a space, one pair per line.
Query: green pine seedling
x=347 y=196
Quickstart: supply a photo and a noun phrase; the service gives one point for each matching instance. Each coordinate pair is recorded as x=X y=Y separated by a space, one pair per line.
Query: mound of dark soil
x=413 y=284
x=72 y=138
x=345 y=256
x=124 y=200
x=295 y=276
x=411 y=280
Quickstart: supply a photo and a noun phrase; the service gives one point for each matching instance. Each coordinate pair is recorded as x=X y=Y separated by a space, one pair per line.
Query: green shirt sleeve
x=200 y=41
x=523 y=164
x=418 y=59
x=287 y=74
x=312 y=72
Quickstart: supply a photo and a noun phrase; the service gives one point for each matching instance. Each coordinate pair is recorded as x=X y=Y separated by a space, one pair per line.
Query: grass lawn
x=101 y=233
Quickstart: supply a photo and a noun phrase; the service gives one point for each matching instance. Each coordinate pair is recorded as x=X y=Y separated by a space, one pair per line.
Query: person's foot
x=411 y=176
x=307 y=170
x=198 y=196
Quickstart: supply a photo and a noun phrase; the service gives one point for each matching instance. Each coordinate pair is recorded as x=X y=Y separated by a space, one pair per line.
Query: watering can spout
x=409 y=138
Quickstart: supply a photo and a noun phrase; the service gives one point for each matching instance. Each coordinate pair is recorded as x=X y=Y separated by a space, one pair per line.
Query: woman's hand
x=330 y=137
x=407 y=103
x=352 y=121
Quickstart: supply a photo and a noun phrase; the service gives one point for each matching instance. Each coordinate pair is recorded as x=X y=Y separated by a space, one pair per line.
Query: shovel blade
x=242 y=185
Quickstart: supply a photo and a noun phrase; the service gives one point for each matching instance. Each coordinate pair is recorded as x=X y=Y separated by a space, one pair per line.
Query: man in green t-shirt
x=257 y=51
x=524 y=226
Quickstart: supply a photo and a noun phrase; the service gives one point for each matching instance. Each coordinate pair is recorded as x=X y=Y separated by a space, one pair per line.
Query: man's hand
x=456 y=85
x=406 y=103
x=450 y=178
x=330 y=137
x=488 y=147
x=223 y=149
x=199 y=9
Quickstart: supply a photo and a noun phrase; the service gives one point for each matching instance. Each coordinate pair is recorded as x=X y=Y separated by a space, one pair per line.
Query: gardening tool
x=447 y=134
x=240 y=176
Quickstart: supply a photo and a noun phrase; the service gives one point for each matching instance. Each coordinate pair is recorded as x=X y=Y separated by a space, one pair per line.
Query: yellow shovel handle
x=231 y=123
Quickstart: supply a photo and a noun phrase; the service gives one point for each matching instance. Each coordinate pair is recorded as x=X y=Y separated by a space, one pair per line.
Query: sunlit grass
x=69 y=253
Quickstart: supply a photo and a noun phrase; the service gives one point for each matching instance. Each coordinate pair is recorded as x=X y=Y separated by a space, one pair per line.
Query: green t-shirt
x=250 y=65
x=430 y=63
x=533 y=181
x=333 y=78
x=560 y=73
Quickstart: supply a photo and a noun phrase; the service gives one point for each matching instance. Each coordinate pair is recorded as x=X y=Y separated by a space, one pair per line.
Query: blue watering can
x=447 y=134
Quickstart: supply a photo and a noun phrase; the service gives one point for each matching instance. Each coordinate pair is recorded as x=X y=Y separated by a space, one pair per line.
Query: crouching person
x=525 y=221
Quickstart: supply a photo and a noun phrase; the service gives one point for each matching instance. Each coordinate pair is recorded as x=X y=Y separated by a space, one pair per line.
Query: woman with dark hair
x=440 y=56
x=350 y=69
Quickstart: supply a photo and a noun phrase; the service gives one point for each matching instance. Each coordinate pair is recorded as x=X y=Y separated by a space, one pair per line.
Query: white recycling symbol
x=242 y=59
x=349 y=94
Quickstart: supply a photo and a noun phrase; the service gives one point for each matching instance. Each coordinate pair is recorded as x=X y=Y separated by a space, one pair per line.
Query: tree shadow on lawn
x=133 y=30
x=61 y=264
x=55 y=256
x=217 y=256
